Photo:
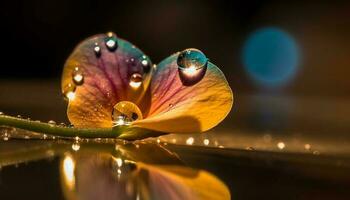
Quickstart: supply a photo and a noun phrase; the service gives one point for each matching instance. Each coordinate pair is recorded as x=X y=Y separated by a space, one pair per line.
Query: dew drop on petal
x=97 y=50
x=77 y=75
x=135 y=80
x=192 y=65
x=146 y=63
x=125 y=112
x=111 y=41
x=69 y=91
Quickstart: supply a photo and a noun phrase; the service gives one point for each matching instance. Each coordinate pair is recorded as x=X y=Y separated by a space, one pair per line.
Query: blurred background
x=287 y=61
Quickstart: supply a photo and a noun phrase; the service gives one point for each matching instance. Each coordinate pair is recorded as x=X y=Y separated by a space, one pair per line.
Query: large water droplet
x=192 y=65
x=111 y=41
x=125 y=112
x=97 y=50
x=135 y=80
x=77 y=76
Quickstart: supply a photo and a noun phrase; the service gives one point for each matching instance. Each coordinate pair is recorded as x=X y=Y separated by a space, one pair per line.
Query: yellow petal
x=185 y=108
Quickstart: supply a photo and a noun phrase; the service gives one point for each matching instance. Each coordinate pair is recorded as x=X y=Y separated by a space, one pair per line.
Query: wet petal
x=102 y=71
x=193 y=100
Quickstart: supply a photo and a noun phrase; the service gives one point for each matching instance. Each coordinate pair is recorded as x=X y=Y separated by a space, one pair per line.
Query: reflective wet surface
x=268 y=148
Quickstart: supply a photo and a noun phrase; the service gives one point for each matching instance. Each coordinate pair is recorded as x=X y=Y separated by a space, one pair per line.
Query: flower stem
x=62 y=131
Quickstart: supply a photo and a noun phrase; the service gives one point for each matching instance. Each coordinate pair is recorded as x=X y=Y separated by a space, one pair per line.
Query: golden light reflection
x=281 y=145
x=307 y=146
x=92 y=175
x=190 y=141
x=190 y=71
x=135 y=85
x=68 y=171
x=70 y=95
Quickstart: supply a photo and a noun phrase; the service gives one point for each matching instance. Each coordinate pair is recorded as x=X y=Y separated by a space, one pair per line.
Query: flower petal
x=101 y=71
x=186 y=104
x=179 y=182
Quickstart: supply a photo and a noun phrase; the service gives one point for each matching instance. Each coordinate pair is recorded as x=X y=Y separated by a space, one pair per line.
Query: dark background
x=37 y=36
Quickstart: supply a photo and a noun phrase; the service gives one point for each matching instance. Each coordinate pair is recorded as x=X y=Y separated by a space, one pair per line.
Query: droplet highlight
x=69 y=92
x=77 y=76
x=97 y=50
x=135 y=80
x=111 y=41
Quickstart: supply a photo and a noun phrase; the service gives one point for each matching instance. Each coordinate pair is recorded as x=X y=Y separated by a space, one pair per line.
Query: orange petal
x=101 y=71
x=178 y=182
x=190 y=101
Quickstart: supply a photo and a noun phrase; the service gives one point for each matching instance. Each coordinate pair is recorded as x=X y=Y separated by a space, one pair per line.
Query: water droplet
x=125 y=112
x=190 y=141
x=44 y=136
x=19 y=116
x=97 y=50
x=206 y=142
x=77 y=75
x=146 y=63
x=111 y=41
x=307 y=146
x=75 y=146
x=62 y=124
x=69 y=92
x=6 y=138
x=316 y=152
x=51 y=123
x=158 y=140
x=1 y=113
x=281 y=145
x=26 y=137
x=192 y=65
x=77 y=138
x=135 y=80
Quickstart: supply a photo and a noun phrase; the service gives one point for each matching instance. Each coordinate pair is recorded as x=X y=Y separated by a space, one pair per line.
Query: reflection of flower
x=106 y=176
x=115 y=84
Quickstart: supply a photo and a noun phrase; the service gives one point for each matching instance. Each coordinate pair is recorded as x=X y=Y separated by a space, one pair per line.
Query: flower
x=109 y=83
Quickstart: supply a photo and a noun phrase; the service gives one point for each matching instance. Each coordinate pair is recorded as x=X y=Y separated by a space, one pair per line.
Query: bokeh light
x=271 y=57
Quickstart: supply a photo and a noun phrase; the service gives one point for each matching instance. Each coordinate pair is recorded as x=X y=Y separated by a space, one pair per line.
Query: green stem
x=56 y=130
